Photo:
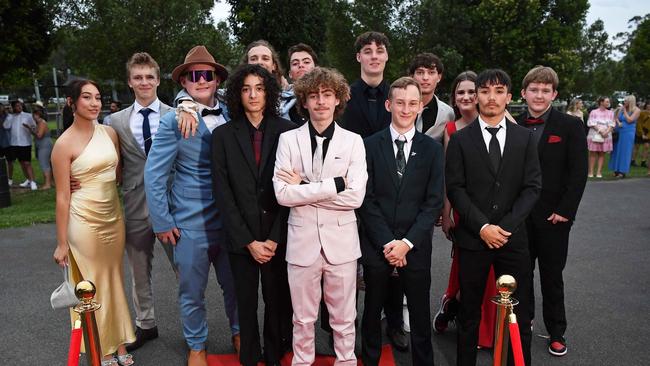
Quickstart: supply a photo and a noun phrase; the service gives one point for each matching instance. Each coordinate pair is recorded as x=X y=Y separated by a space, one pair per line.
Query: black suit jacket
x=482 y=195
x=563 y=159
x=355 y=116
x=244 y=192
x=408 y=210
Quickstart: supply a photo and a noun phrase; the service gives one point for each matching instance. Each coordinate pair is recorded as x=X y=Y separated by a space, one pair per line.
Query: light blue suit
x=189 y=206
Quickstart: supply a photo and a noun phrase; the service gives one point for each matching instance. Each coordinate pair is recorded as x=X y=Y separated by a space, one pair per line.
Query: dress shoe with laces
x=197 y=358
x=142 y=336
x=398 y=339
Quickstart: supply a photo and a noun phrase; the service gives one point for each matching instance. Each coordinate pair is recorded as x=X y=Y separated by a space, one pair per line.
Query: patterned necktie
x=317 y=162
x=146 y=129
x=257 y=146
x=495 y=148
x=400 y=159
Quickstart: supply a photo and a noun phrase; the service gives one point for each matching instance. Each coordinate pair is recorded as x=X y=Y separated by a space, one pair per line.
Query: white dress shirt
x=19 y=135
x=136 y=119
x=487 y=136
x=408 y=137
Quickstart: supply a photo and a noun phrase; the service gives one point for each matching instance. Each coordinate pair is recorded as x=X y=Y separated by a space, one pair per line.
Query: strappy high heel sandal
x=125 y=360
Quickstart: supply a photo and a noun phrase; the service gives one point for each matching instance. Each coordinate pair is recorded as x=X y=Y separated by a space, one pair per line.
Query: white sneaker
x=10 y=181
x=25 y=184
x=33 y=185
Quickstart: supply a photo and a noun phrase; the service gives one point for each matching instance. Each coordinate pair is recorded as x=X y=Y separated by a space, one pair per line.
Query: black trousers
x=277 y=307
x=549 y=244
x=474 y=267
x=416 y=285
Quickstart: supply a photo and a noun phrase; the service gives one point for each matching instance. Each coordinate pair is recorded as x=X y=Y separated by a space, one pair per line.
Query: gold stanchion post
x=85 y=291
x=506 y=285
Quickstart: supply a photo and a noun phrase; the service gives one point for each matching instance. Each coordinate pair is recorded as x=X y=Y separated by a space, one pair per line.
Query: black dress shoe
x=141 y=337
x=399 y=339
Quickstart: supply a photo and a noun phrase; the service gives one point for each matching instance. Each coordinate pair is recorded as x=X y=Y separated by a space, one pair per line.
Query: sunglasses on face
x=196 y=75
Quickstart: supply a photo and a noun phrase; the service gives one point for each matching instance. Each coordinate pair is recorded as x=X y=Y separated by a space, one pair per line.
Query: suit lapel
x=386 y=148
x=126 y=126
x=270 y=139
x=549 y=127
x=507 y=150
x=244 y=140
x=477 y=135
x=304 y=144
x=335 y=145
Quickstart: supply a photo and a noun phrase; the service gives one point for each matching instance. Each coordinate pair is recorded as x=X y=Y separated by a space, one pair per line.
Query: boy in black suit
x=243 y=159
x=403 y=199
x=493 y=181
x=562 y=148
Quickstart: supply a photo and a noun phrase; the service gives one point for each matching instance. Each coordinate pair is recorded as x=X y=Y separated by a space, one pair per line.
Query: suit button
x=497 y=184
x=264 y=212
x=261 y=190
x=320 y=225
x=495 y=207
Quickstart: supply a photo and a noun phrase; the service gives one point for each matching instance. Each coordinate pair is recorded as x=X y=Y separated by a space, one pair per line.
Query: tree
x=26 y=34
x=282 y=23
x=636 y=62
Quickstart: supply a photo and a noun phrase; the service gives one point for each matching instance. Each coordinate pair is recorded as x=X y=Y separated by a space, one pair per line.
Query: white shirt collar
x=154 y=106
x=483 y=124
x=408 y=135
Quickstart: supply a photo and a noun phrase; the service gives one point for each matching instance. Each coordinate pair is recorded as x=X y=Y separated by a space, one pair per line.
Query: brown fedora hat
x=199 y=55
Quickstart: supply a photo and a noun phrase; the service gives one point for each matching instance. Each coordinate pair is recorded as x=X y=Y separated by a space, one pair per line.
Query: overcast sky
x=615 y=13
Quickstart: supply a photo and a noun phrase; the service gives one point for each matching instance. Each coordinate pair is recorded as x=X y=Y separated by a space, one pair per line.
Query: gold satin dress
x=96 y=237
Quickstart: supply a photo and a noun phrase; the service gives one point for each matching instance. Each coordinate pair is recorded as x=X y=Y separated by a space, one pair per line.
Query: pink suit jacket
x=320 y=217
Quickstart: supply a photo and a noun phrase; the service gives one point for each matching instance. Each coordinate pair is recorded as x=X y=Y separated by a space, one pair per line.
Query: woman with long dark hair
x=89 y=225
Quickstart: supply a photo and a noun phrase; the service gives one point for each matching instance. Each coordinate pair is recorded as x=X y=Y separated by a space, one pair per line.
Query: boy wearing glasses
x=185 y=213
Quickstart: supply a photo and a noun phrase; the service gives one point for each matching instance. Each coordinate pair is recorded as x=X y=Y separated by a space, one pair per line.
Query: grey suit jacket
x=133 y=159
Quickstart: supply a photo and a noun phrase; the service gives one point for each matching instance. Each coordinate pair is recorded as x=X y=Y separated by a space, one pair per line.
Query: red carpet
x=231 y=359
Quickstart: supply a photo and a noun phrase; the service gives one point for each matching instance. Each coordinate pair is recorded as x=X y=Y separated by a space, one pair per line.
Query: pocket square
x=553 y=139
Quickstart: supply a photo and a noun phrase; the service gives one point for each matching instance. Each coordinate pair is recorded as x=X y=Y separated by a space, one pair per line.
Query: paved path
x=607 y=280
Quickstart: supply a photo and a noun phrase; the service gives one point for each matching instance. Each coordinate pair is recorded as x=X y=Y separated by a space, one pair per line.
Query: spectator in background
x=642 y=137
x=67 y=114
x=4 y=134
x=599 y=139
x=115 y=106
x=575 y=109
x=21 y=143
x=626 y=118
x=43 y=142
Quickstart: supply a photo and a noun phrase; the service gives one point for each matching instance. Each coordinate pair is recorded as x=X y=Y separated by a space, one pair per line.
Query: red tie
x=257 y=146
x=534 y=121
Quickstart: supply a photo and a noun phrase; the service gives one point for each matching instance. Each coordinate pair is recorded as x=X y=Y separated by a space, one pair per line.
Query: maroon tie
x=257 y=146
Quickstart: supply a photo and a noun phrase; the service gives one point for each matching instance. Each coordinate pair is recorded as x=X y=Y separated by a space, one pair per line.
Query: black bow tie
x=207 y=111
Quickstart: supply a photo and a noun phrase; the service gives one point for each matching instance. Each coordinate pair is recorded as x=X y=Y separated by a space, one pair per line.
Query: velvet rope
x=515 y=341
x=75 y=347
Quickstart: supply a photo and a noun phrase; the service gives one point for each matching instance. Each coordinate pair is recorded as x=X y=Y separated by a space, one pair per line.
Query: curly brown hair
x=326 y=78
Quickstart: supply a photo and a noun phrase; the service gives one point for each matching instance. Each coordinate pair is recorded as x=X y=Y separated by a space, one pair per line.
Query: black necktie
x=207 y=111
x=372 y=106
x=146 y=129
x=495 y=149
x=400 y=159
